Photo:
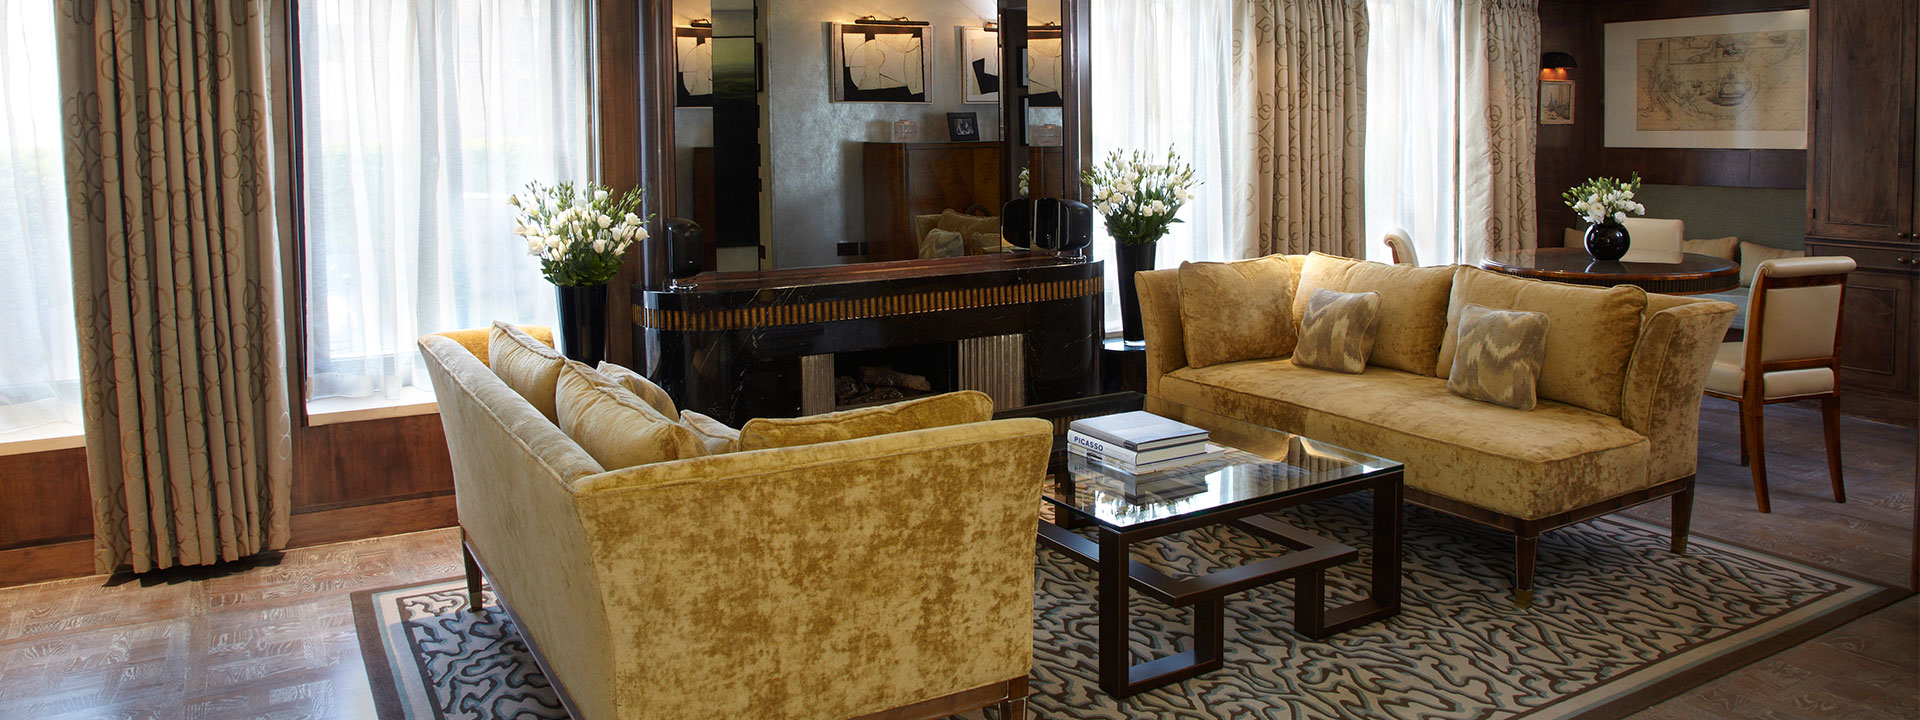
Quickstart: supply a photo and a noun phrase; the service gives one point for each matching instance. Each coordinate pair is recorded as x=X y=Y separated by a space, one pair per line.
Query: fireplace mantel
x=732 y=347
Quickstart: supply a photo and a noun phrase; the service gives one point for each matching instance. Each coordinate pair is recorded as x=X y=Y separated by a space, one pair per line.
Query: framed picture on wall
x=1043 y=66
x=693 y=67
x=963 y=127
x=880 y=63
x=1556 y=102
x=1718 y=81
x=979 y=65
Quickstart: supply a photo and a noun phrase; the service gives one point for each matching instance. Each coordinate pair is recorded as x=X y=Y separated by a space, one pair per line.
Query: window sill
x=339 y=410
x=43 y=438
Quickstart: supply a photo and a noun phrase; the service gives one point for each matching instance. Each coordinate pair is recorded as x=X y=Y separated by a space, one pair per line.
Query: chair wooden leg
x=1750 y=420
x=1743 y=435
x=473 y=575
x=1830 y=416
x=1682 y=517
x=1525 y=549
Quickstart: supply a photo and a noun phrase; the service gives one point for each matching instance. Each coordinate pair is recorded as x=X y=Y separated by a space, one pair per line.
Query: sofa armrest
x=1160 y=319
x=871 y=573
x=1665 y=379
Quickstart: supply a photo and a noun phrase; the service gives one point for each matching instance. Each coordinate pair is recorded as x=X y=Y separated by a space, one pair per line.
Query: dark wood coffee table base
x=1306 y=564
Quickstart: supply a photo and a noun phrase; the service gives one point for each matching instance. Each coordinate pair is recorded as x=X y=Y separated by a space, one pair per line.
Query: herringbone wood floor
x=276 y=640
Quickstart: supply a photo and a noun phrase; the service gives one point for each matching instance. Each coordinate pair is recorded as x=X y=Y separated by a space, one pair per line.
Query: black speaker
x=686 y=253
x=1064 y=227
x=1016 y=222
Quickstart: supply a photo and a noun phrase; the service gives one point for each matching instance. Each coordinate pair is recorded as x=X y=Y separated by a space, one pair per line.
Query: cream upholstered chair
x=1791 y=352
x=1402 y=247
x=1654 y=240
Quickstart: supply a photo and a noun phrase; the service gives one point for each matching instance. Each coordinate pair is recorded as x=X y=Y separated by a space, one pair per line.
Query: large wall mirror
x=793 y=125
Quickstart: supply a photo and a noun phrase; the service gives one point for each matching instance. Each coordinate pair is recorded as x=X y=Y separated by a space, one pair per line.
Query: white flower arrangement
x=1602 y=200
x=1139 y=198
x=580 y=236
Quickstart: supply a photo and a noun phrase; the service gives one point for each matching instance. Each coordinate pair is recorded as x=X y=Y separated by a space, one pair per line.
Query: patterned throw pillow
x=1336 y=331
x=1498 y=355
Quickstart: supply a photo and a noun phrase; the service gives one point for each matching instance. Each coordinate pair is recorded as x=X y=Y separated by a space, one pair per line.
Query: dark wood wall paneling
x=1569 y=154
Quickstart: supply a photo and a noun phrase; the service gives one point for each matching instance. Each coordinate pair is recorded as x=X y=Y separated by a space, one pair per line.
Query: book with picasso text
x=1138 y=431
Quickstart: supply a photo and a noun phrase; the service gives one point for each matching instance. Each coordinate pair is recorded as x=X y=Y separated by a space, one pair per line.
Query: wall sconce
x=1554 y=65
x=899 y=21
x=701 y=23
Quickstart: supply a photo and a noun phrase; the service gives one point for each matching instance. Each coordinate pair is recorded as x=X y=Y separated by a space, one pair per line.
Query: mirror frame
x=655 y=131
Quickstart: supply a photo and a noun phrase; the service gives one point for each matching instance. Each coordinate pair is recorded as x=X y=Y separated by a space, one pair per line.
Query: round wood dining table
x=1694 y=274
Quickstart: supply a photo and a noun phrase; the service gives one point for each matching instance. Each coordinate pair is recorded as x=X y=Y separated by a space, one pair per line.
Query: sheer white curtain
x=1163 y=76
x=40 y=361
x=419 y=118
x=1413 y=126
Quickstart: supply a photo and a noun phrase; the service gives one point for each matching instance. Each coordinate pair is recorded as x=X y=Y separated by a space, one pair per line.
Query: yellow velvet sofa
x=1599 y=440
x=888 y=575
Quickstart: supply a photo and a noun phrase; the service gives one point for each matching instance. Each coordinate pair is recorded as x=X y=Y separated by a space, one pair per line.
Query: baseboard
x=40 y=563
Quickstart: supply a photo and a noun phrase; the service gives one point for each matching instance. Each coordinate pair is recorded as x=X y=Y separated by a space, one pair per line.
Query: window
x=418 y=119
x=40 y=362
x=1413 y=127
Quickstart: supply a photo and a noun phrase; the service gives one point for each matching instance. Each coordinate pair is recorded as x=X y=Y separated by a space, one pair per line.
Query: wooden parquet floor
x=275 y=639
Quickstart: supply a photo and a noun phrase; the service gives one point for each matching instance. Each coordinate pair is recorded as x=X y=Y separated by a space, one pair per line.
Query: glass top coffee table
x=1267 y=470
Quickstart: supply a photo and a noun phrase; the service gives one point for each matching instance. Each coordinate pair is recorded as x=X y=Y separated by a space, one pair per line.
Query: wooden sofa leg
x=1525 y=549
x=1830 y=417
x=1682 y=517
x=1015 y=706
x=473 y=574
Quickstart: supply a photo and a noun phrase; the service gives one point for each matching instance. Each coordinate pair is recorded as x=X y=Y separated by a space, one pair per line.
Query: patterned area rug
x=1618 y=623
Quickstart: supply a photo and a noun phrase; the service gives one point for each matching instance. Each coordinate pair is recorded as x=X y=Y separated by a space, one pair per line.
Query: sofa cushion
x=477 y=340
x=1338 y=330
x=1752 y=254
x=717 y=436
x=1413 y=305
x=638 y=384
x=614 y=425
x=1590 y=336
x=1726 y=248
x=527 y=365
x=1498 y=356
x=955 y=408
x=1236 y=310
x=1525 y=464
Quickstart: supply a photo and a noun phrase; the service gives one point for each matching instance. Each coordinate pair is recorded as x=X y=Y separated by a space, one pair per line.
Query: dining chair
x=1402 y=247
x=1791 y=352
x=1655 y=240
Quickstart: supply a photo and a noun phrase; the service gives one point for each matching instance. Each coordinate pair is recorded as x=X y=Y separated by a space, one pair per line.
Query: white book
x=1138 y=430
x=1089 y=444
x=1208 y=451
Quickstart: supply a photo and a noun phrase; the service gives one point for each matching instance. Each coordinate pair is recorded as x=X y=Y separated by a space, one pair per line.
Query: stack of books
x=1138 y=442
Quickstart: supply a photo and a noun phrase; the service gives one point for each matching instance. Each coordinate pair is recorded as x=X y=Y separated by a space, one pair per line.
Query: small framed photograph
x=1556 y=102
x=963 y=127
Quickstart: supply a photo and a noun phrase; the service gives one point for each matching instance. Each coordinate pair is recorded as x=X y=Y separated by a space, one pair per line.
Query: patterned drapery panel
x=1308 y=62
x=1499 y=107
x=176 y=273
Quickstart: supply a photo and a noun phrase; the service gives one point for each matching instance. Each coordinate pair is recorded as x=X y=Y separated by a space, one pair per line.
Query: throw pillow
x=1499 y=356
x=966 y=224
x=1726 y=248
x=1336 y=333
x=939 y=243
x=718 y=438
x=615 y=426
x=986 y=243
x=1236 y=310
x=527 y=365
x=923 y=223
x=1752 y=254
x=955 y=408
x=1413 y=305
x=1589 y=341
x=638 y=384
x=478 y=340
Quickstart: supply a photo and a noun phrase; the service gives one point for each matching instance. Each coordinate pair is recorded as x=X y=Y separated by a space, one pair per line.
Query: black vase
x=1607 y=241
x=583 y=322
x=1130 y=259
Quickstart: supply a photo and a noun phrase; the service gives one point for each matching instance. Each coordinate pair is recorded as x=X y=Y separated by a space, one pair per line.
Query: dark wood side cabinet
x=907 y=179
x=1861 y=177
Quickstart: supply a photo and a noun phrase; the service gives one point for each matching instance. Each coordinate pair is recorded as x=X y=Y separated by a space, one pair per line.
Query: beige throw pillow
x=1726 y=248
x=1413 y=305
x=1589 y=341
x=924 y=223
x=939 y=243
x=1336 y=333
x=718 y=438
x=614 y=425
x=1499 y=356
x=955 y=408
x=527 y=365
x=968 y=225
x=1752 y=254
x=1236 y=310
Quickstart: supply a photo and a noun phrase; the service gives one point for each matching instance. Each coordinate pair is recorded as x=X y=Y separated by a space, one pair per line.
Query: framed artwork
x=693 y=67
x=880 y=63
x=1720 y=81
x=1043 y=66
x=963 y=127
x=1556 y=102
x=979 y=66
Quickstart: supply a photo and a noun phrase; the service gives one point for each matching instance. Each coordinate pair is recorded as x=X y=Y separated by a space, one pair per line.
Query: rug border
x=373 y=653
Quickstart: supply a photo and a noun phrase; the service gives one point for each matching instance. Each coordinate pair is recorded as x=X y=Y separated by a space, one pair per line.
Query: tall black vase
x=1607 y=241
x=583 y=322
x=1127 y=260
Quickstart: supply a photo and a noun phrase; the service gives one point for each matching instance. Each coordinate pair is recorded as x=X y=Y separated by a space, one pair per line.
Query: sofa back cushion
x=527 y=365
x=1413 y=305
x=614 y=425
x=638 y=384
x=1236 y=310
x=1590 y=335
x=955 y=408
